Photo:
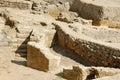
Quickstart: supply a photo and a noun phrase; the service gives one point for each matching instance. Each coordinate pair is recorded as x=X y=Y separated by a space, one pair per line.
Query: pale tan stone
x=39 y=57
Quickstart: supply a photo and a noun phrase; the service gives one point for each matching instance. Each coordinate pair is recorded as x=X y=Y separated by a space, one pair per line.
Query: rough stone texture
x=66 y=17
x=40 y=23
x=52 y=9
x=96 y=52
x=39 y=55
x=55 y=10
x=97 y=46
x=41 y=58
x=16 y=4
x=88 y=73
x=102 y=12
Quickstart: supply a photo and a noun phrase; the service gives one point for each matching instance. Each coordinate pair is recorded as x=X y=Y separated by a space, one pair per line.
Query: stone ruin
x=69 y=39
x=88 y=73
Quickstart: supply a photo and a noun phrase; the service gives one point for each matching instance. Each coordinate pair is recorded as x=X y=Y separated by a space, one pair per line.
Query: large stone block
x=102 y=12
x=39 y=57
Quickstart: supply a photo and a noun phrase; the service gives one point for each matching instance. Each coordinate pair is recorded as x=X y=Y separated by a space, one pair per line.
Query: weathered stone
x=79 y=41
x=21 y=4
x=39 y=57
x=86 y=73
x=99 y=12
x=55 y=10
x=65 y=17
x=69 y=40
x=50 y=38
x=75 y=74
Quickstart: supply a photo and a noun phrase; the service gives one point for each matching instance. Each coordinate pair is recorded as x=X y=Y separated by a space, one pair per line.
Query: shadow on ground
x=23 y=63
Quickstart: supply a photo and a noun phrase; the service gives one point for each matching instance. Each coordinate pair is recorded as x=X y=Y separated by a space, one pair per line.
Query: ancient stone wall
x=92 y=52
x=16 y=4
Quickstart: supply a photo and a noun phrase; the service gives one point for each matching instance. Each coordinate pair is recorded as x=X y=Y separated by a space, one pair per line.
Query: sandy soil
x=16 y=69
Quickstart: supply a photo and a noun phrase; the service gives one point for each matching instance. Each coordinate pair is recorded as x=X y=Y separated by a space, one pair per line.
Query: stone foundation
x=94 y=52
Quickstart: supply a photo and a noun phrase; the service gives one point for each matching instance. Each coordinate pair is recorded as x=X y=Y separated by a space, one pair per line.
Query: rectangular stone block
x=40 y=58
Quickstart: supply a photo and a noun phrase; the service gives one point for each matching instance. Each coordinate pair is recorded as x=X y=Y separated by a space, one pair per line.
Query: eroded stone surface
x=86 y=73
x=40 y=57
x=100 y=12
x=36 y=22
x=95 y=51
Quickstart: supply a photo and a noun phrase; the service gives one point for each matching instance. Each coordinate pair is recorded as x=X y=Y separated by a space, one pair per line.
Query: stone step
x=21 y=51
x=20 y=35
x=21 y=54
x=20 y=46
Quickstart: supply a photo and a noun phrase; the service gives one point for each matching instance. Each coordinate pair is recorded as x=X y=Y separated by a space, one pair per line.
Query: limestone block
x=40 y=58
